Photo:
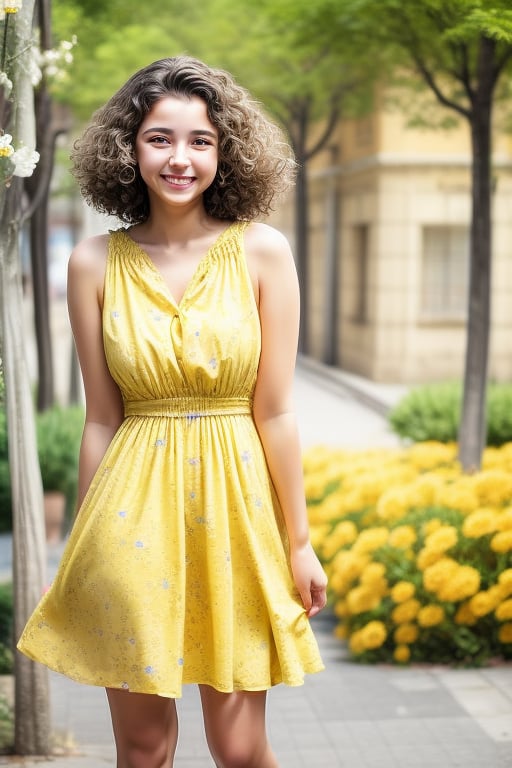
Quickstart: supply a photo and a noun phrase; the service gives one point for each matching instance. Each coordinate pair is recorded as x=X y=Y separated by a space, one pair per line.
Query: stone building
x=389 y=248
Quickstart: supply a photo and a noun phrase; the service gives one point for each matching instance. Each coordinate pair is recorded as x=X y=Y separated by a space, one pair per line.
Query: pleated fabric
x=176 y=569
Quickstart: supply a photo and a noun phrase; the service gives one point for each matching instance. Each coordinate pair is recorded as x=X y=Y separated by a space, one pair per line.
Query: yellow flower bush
x=403 y=536
x=503 y=611
x=418 y=555
x=373 y=634
x=505 y=581
x=402 y=654
x=406 y=634
x=406 y=611
x=505 y=633
x=502 y=542
x=402 y=591
x=442 y=539
x=430 y=615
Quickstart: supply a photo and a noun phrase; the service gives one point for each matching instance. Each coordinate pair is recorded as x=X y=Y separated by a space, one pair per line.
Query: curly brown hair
x=255 y=161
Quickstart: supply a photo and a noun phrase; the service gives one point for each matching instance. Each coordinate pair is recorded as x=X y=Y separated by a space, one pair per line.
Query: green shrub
x=6 y=629
x=59 y=433
x=418 y=554
x=432 y=412
x=5 y=480
x=6 y=613
x=6 y=726
x=499 y=414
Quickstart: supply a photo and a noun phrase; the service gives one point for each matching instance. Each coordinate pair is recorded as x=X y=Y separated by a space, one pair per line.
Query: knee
x=237 y=754
x=134 y=755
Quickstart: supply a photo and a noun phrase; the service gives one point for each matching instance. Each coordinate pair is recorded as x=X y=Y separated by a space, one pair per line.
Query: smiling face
x=177 y=151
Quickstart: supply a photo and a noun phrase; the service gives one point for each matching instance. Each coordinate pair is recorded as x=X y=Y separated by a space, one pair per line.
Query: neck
x=168 y=225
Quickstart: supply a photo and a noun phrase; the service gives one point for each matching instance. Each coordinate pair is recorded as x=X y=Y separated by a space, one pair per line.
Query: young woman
x=189 y=560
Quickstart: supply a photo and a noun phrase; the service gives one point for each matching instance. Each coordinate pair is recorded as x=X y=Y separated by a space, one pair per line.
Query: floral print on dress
x=178 y=532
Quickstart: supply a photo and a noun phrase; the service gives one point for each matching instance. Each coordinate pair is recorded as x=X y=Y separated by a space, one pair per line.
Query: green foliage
x=428 y=413
x=6 y=630
x=432 y=412
x=434 y=43
x=6 y=602
x=58 y=439
x=417 y=554
x=300 y=59
x=106 y=54
x=449 y=641
x=291 y=50
x=6 y=726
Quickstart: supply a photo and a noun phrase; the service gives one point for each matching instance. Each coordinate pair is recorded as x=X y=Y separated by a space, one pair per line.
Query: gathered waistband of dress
x=189 y=407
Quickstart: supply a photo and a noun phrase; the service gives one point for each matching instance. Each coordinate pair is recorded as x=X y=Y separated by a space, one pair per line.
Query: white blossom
x=6 y=148
x=67 y=45
x=33 y=65
x=9 y=6
x=6 y=84
x=25 y=160
x=54 y=60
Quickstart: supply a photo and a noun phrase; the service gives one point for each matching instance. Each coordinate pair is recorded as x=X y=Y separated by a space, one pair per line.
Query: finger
x=307 y=600
x=318 y=600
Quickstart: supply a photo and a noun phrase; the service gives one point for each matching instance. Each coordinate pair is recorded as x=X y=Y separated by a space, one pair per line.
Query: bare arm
x=270 y=258
x=104 y=410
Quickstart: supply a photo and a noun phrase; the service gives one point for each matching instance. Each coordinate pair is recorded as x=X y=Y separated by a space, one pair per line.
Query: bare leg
x=145 y=729
x=235 y=728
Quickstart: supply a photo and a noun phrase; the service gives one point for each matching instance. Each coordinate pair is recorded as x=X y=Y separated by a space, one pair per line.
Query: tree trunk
x=473 y=424
x=32 y=725
x=331 y=303
x=299 y=139
x=32 y=721
x=39 y=261
x=37 y=187
x=302 y=253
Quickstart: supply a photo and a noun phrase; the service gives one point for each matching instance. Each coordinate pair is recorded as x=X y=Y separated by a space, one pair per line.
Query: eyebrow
x=169 y=132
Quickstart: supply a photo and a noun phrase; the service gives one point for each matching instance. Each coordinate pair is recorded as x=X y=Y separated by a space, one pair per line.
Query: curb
x=380 y=398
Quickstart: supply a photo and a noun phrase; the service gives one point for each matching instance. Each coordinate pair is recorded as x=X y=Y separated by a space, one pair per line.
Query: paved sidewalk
x=350 y=716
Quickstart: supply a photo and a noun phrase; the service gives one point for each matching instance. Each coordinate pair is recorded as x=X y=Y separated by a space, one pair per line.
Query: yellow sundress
x=176 y=569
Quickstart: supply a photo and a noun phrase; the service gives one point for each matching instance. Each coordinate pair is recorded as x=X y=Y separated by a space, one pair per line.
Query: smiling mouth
x=179 y=180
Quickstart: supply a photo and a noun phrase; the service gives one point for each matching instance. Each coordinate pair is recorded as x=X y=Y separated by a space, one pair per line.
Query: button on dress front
x=176 y=569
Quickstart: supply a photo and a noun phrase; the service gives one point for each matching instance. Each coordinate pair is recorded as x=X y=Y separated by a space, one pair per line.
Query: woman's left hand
x=310 y=578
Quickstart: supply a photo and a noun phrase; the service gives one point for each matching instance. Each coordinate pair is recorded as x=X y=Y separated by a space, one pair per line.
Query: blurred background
x=401 y=225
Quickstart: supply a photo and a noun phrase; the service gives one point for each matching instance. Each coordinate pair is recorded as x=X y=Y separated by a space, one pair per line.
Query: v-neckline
x=197 y=273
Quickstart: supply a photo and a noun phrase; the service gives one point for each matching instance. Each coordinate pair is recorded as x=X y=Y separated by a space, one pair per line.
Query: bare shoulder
x=88 y=259
x=89 y=253
x=266 y=245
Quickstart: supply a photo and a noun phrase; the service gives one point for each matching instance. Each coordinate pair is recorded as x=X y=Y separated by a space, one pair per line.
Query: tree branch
x=412 y=45
x=463 y=75
x=431 y=81
x=44 y=178
x=332 y=121
x=500 y=64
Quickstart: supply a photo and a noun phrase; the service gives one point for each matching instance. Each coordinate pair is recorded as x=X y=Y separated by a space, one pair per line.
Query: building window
x=445 y=273
x=361 y=270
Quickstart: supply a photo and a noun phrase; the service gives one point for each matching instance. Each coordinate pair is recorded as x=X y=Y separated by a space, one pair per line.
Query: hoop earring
x=127 y=175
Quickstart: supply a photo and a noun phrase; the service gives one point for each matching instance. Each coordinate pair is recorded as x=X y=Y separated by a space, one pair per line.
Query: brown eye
x=158 y=140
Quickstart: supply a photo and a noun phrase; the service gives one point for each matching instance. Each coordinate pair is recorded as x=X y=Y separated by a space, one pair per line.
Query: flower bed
x=419 y=555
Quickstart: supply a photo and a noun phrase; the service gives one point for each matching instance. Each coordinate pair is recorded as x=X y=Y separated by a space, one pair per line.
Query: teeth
x=179 y=180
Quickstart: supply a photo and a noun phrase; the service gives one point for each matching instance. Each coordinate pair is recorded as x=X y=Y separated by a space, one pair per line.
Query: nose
x=179 y=154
